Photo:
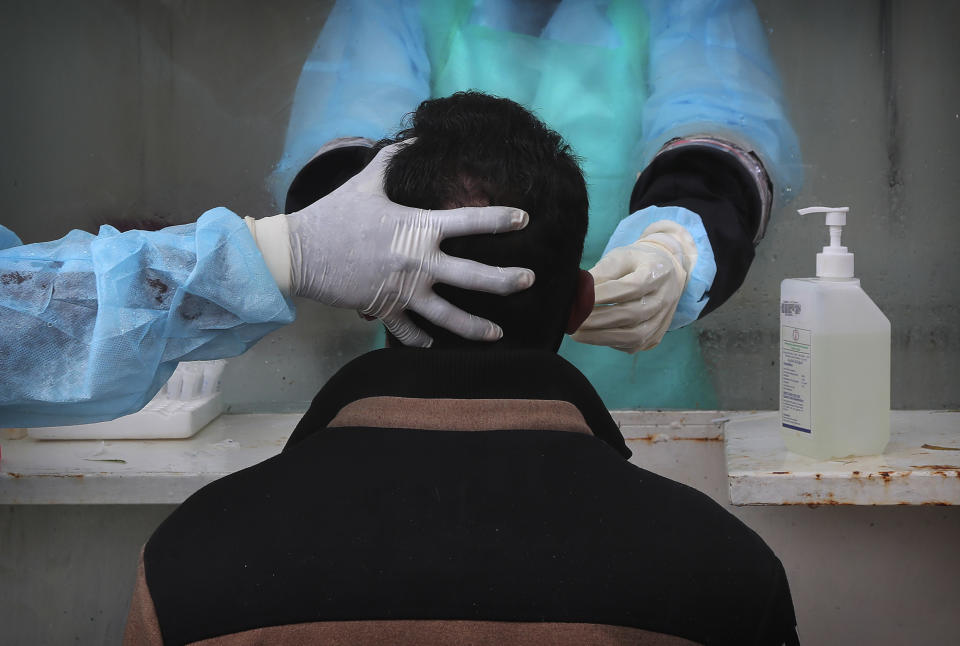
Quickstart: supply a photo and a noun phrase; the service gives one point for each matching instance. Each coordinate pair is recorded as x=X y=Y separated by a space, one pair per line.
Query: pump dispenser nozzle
x=835 y=261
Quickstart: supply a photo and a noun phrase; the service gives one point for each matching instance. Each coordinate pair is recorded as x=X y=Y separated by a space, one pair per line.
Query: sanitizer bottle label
x=795 y=350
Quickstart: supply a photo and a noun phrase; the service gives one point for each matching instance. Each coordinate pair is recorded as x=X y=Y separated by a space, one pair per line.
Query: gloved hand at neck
x=355 y=248
x=638 y=288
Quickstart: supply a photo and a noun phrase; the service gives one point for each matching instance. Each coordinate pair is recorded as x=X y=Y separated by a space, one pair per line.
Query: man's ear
x=582 y=302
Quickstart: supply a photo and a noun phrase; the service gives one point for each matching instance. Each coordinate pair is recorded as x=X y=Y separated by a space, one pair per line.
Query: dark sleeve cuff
x=716 y=186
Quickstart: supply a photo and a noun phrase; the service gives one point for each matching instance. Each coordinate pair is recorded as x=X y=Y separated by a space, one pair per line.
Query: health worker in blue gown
x=91 y=326
x=674 y=107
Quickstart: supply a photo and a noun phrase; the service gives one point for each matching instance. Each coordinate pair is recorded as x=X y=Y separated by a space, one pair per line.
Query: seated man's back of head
x=472 y=149
x=460 y=494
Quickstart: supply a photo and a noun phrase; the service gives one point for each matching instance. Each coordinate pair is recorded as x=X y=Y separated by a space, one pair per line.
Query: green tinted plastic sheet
x=589 y=85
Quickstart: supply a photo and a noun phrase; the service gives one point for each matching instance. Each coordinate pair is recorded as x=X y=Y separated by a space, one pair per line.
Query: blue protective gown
x=616 y=78
x=92 y=326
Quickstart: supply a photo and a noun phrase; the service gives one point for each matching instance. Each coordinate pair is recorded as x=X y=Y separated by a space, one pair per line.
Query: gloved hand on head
x=355 y=248
x=638 y=287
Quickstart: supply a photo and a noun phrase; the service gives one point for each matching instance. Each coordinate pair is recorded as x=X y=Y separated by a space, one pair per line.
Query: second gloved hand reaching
x=355 y=248
x=638 y=288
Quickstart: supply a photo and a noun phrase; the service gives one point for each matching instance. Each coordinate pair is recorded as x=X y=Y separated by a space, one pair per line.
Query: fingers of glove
x=649 y=262
x=400 y=326
x=619 y=339
x=471 y=220
x=631 y=287
x=616 y=264
x=623 y=314
x=632 y=339
x=469 y=274
x=656 y=328
x=438 y=311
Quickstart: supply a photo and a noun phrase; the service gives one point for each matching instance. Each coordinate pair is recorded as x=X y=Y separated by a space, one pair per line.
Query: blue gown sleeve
x=367 y=70
x=710 y=72
x=92 y=326
x=8 y=238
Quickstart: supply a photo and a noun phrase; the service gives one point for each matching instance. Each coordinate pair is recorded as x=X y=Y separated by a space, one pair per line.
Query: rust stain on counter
x=816 y=500
x=658 y=438
x=44 y=475
x=939 y=468
x=936 y=447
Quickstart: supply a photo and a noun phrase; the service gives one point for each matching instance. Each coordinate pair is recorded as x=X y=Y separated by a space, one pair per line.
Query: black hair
x=473 y=149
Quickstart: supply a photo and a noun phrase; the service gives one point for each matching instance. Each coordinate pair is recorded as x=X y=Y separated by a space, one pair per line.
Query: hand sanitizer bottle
x=834 y=358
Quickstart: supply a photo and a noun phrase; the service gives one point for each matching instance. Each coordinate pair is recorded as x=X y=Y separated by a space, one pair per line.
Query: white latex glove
x=355 y=248
x=637 y=289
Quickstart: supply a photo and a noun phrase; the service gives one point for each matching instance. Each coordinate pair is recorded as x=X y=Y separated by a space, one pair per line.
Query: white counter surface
x=921 y=465
x=137 y=471
x=167 y=471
